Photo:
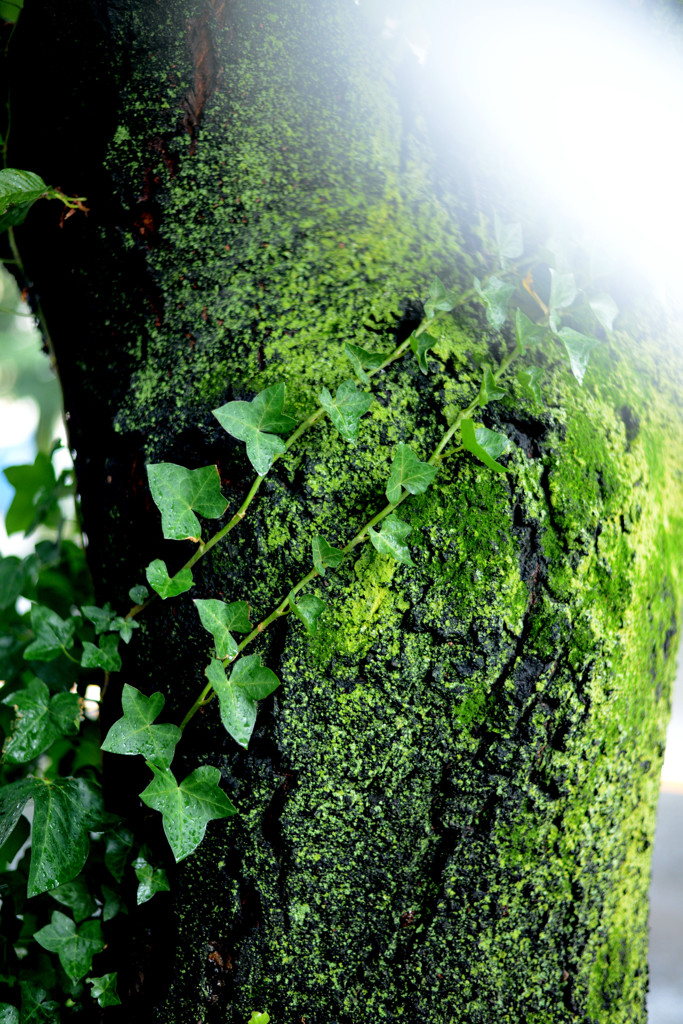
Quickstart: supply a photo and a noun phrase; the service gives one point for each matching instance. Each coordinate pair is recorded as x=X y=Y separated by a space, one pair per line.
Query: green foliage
x=309 y=609
x=135 y=733
x=37 y=494
x=188 y=807
x=530 y=379
x=65 y=811
x=74 y=947
x=11 y=580
x=407 y=472
x=438 y=300
x=579 y=348
x=487 y=445
x=35 y=1008
x=420 y=344
x=151 y=879
x=496 y=295
x=77 y=897
x=14 y=842
x=104 y=989
x=40 y=720
x=105 y=619
x=219 y=618
x=178 y=493
x=86 y=860
x=489 y=390
x=325 y=555
x=362 y=360
x=257 y=422
x=527 y=332
x=53 y=635
x=389 y=540
x=249 y=681
x=19 y=190
x=165 y=585
x=563 y=292
x=509 y=241
x=604 y=309
x=105 y=656
x=346 y=408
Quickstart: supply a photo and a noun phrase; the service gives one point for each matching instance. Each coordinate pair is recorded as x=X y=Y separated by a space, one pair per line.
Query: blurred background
x=30 y=421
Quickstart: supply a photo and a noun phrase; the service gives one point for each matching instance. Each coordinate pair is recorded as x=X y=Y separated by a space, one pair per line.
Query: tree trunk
x=447 y=809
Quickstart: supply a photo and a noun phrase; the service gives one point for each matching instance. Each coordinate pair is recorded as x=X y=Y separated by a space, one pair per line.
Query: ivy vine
x=80 y=856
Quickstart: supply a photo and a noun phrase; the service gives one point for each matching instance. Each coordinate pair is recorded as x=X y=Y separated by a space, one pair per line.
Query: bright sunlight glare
x=587 y=104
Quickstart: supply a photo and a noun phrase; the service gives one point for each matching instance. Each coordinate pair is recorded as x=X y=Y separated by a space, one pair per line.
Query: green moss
x=446 y=809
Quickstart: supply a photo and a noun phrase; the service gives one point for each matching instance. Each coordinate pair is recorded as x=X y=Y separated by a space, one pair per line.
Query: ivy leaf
x=101 y=618
x=579 y=348
x=106 y=656
x=420 y=343
x=124 y=627
x=309 y=609
x=117 y=848
x=11 y=847
x=238 y=711
x=529 y=379
x=35 y=500
x=604 y=309
x=257 y=422
x=408 y=472
x=218 y=618
x=53 y=634
x=489 y=390
x=151 y=880
x=135 y=734
x=253 y=678
x=104 y=989
x=187 y=808
x=113 y=904
x=259 y=1018
x=526 y=331
x=76 y=896
x=509 y=240
x=249 y=681
x=8 y=1014
x=12 y=580
x=438 y=299
x=75 y=948
x=18 y=188
x=65 y=812
x=138 y=594
x=389 y=540
x=362 y=360
x=40 y=720
x=562 y=294
x=496 y=295
x=346 y=408
x=178 y=493
x=325 y=556
x=35 y=1008
x=13 y=799
x=105 y=619
x=487 y=445
x=165 y=585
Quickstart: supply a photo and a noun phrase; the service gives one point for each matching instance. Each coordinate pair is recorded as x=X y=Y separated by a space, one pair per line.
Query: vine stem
x=285 y=605
x=304 y=426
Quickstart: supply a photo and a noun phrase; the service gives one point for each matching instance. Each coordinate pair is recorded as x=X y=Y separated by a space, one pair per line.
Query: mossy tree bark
x=446 y=811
